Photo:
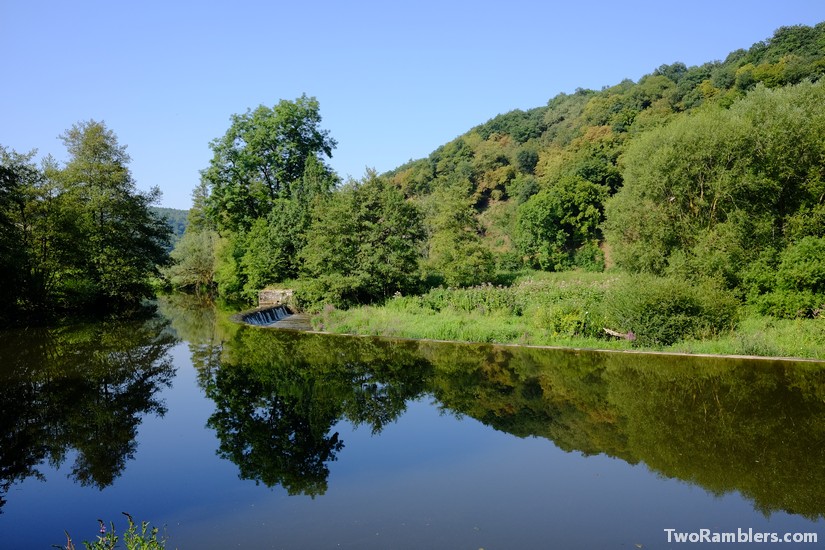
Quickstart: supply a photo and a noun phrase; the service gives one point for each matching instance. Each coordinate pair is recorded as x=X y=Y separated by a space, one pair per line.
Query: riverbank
x=572 y=310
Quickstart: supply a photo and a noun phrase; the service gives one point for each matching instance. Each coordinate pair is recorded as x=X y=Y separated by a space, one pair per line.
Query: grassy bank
x=573 y=309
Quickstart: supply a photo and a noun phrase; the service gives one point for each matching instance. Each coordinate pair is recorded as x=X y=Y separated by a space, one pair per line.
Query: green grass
x=568 y=309
x=452 y=325
x=767 y=337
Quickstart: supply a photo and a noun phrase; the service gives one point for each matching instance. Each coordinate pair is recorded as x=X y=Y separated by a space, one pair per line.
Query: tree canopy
x=696 y=172
x=77 y=236
x=259 y=159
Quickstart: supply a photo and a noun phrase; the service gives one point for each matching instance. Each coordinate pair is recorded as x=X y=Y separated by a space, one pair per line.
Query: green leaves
x=367 y=236
x=80 y=236
x=555 y=222
x=261 y=157
x=122 y=241
x=705 y=194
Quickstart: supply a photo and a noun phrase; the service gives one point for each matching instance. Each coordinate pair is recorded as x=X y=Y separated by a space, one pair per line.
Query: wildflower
x=102 y=527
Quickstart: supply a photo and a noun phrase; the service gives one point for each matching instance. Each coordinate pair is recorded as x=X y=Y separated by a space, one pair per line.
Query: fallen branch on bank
x=626 y=335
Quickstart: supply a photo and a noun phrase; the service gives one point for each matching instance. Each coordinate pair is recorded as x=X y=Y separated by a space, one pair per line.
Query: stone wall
x=275 y=297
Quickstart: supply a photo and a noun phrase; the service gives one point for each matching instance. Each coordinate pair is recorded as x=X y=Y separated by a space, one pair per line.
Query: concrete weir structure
x=266 y=316
x=275 y=310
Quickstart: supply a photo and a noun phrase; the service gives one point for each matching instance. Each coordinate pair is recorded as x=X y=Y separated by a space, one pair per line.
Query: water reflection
x=79 y=391
x=278 y=396
x=754 y=427
x=276 y=401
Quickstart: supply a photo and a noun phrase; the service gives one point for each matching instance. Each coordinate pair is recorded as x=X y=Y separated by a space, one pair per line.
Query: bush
x=484 y=298
x=796 y=286
x=589 y=257
x=335 y=290
x=662 y=311
x=564 y=308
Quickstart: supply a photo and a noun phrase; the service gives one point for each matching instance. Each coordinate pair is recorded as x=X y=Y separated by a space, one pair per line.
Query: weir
x=280 y=316
x=265 y=317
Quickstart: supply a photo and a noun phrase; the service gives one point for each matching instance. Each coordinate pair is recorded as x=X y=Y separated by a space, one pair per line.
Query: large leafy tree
x=259 y=159
x=553 y=224
x=13 y=174
x=710 y=192
x=123 y=241
x=365 y=240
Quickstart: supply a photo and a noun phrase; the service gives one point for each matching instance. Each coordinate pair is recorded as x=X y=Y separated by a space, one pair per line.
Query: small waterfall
x=267 y=316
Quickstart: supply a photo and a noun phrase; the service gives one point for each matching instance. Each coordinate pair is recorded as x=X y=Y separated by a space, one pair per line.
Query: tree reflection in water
x=278 y=396
x=83 y=389
x=754 y=427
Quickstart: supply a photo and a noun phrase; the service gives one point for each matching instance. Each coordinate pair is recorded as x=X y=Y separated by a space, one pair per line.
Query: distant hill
x=176 y=219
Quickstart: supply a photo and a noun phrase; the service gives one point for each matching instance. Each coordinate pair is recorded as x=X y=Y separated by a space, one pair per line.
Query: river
x=231 y=436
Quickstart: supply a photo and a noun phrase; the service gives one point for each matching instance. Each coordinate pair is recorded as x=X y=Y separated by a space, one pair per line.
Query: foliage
x=557 y=221
x=707 y=193
x=193 y=266
x=80 y=236
x=122 y=241
x=456 y=252
x=16 y=174
x=662 y=311
x=273 y=244
x=228 y=276
x=177 y=220
x=259 y=159
x=134 y=538
x=584 y=135
x=692 y=174
x=795 y=285
x=366 y=239
x=266 y=175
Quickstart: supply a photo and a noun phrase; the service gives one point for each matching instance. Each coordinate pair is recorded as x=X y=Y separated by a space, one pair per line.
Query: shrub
x=662 y=311
x=796 y=287
x=335 y=290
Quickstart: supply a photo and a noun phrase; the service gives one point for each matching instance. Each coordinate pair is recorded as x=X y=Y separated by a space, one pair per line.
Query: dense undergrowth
x=574 y=309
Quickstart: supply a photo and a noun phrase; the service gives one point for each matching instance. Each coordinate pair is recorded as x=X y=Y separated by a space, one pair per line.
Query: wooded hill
x=696 y=171
x=714 y=173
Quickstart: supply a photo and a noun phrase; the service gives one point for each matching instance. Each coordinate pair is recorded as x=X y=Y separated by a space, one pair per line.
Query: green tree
x=15 y=173
x=259 y=159
x=707 y=193
x=557 y=221
x=365 y=240
x=194 y=262
x=790 y=284
x=124 y=242
x=455 y=250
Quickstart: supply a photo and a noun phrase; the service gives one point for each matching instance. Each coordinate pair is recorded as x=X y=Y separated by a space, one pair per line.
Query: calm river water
x=228 y=436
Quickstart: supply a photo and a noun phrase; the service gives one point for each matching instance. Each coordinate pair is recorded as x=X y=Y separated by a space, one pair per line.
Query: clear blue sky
x=394 y=79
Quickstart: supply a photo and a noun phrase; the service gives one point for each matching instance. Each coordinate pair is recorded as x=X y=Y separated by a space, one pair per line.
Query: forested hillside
x=176 y=219
x=563 y=159
x=712 y=174
x=705 y=171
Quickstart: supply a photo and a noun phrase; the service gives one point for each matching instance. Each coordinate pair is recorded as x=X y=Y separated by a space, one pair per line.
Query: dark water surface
x=230 y=436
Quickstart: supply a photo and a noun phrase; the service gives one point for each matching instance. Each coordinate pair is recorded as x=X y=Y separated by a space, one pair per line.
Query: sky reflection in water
x=437 y=445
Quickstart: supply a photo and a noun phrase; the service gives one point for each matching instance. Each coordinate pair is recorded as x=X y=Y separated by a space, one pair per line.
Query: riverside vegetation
x=686 y=209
